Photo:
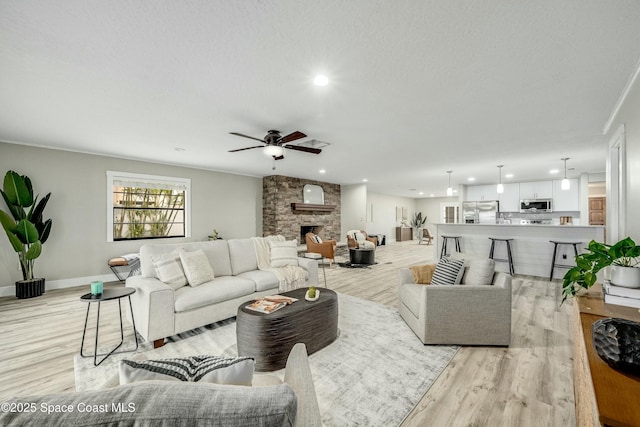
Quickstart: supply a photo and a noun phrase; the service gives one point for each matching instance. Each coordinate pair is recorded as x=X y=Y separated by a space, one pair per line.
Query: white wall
x=384 y=213
x=353 y=208
x=629 y=115
x=77 y=249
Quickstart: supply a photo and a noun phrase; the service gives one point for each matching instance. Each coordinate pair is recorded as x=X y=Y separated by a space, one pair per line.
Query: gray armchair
x=457 y=314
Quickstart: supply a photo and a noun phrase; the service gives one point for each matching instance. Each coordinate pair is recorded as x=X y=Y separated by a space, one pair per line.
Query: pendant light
x=449 y=189
x=500 y=188
x=565 y=185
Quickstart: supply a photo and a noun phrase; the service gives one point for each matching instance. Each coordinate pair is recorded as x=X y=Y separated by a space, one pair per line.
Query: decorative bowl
x=306 y=295
x=617 y=342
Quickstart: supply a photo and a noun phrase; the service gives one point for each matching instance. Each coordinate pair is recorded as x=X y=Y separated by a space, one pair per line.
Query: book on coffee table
x=270 y=303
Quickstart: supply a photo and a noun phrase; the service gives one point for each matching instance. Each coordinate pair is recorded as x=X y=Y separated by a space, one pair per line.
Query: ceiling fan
x=276 y=143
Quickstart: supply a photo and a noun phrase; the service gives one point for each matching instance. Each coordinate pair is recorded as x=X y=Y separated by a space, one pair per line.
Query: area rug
x=373 y=374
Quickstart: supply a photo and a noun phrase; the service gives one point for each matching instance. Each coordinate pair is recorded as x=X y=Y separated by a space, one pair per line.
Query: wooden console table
x=404 y=233
x=603 y=396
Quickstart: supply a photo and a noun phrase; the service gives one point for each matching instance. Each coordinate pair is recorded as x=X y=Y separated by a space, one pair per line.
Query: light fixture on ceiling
x=565 y=185
x=500 y=188
x=273 y=150
x=320 y=80
x=449 y=189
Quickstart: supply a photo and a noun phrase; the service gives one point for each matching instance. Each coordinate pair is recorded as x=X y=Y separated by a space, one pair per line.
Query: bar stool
x=445 y=239
x=554 y=263
x=509 y=256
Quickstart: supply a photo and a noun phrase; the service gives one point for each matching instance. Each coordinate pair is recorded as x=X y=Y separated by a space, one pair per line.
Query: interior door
x=597 y=211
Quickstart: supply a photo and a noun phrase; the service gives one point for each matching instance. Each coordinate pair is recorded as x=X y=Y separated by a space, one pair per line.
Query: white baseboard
x=8 y=291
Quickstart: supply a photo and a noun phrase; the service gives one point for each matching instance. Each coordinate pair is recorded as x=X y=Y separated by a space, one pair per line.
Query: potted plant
x=25 y=228
x=418 y=222
x=622 y=257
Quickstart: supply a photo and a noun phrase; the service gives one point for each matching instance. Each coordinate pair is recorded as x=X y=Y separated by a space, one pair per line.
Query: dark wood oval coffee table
x=268 y=338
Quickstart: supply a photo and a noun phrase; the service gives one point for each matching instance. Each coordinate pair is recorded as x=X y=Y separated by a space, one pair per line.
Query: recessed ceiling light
x=432 y=195
x=509 y=175
x=554 y=171
x=421 y=193
x=455 y=190
x=180 y=149
x=471 y=178
x=365 y=180
x=322 y=171
x=320 y=80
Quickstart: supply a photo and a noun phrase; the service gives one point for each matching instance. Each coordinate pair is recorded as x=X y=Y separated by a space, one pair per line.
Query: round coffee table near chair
x=554 y=260
x=509 y=258
x=445 y=239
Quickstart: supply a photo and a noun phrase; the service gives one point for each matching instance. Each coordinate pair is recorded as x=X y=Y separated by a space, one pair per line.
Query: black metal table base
x=95 y=348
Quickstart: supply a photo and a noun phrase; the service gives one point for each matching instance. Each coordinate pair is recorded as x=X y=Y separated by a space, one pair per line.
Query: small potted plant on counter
x=622 y=258
x=25 y=228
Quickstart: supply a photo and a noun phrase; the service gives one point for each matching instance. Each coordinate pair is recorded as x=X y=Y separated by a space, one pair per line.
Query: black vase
x=29 y=288
x=617 y=342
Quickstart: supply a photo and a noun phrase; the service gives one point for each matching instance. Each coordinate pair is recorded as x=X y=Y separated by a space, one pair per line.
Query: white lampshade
x=500 y=188
x=565 y=184
x=449 y=191
x=273 y=150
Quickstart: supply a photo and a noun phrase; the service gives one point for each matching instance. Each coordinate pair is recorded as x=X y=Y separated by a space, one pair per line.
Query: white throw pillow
x=169 y=269
x=284 y=253
x=211 y=369
x=480 y=272
x=196 y=267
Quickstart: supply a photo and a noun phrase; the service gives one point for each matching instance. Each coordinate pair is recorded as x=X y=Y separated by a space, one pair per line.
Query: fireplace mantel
x=312 y=207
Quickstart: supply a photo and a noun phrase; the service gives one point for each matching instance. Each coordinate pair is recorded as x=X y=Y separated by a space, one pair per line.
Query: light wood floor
x=528 y=384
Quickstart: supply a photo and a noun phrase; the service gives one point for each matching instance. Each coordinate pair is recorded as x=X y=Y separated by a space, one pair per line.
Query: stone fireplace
x=278 y=216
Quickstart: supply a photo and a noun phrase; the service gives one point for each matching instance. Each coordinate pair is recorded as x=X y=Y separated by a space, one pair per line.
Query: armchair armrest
x=298 y=375
x=153 y=307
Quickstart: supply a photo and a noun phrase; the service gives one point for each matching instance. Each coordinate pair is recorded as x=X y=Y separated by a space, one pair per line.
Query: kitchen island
x=530 y=248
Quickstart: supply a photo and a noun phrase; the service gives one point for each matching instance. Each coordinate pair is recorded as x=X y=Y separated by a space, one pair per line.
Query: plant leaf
x=34 y=250
x=36 y=215
x=46 y=229
x=15 y=242
x=7 y=222
x=18 y=189
x=27 y=232
x=16 y=211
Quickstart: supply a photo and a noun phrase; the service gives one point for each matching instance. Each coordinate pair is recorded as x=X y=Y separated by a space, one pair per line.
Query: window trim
x=114 y=176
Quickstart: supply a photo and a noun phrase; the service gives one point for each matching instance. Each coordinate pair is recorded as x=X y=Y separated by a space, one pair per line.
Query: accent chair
x=326 y=248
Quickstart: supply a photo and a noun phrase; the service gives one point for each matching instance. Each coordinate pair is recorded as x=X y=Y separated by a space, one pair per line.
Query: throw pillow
x=196 y=267
x=480 y=272
x=169 y=269
x=423 y=274
x=211 y=369
x=448 y=271
x=284 y=253
x=317 y=239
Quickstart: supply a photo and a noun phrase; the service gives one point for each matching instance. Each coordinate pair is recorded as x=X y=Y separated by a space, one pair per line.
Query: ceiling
x=416 y=87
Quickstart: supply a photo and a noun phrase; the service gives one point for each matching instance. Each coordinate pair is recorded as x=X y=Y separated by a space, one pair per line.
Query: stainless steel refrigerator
x=484 y=212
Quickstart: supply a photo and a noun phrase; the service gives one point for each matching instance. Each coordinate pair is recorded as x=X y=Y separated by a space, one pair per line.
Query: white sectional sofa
x=161 y=311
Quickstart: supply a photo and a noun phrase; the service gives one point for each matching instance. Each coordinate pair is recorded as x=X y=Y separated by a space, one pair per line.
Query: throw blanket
x=422 y=274
x=290 y=276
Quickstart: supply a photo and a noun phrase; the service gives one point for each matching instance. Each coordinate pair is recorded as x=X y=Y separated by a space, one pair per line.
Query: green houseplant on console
x=25 y=228
x=622 y=257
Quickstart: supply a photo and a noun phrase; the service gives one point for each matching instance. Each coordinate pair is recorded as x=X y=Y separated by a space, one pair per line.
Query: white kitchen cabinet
x=510 y=199
x=536 y=190
x=566 y=200
x=475 y=193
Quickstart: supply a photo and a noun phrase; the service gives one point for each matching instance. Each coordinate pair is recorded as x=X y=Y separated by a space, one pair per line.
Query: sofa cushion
x=164 y=404
x=169 y=269
x=210 y=369
x=480 y=272
x=263 y=279
x=410 y=297
x=219 y=290
x=284 y=253
x=448 y=271
x=196 y=267
x=243 y=255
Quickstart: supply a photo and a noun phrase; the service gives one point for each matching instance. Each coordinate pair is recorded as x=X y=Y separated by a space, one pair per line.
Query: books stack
x=620 y=295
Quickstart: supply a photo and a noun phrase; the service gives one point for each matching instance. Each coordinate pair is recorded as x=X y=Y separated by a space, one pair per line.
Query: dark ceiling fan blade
x=247 y=136
x=305 y=149
x=278 y=158
x=292 y=137
x=246 y=148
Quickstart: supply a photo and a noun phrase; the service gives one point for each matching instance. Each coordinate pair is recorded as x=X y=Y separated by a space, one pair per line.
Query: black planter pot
x=29 y=288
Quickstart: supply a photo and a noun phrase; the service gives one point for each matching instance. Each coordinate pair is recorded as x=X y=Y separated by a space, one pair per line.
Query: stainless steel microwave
x=535 y=205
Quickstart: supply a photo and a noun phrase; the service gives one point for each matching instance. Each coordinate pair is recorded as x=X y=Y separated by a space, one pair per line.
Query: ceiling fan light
x=273 y=150
x=565 y=184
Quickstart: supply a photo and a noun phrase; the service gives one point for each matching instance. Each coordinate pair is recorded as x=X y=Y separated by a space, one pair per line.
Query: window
x=147 y=206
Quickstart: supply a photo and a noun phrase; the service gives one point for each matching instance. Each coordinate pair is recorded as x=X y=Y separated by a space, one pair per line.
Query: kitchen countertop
x=521 y=225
